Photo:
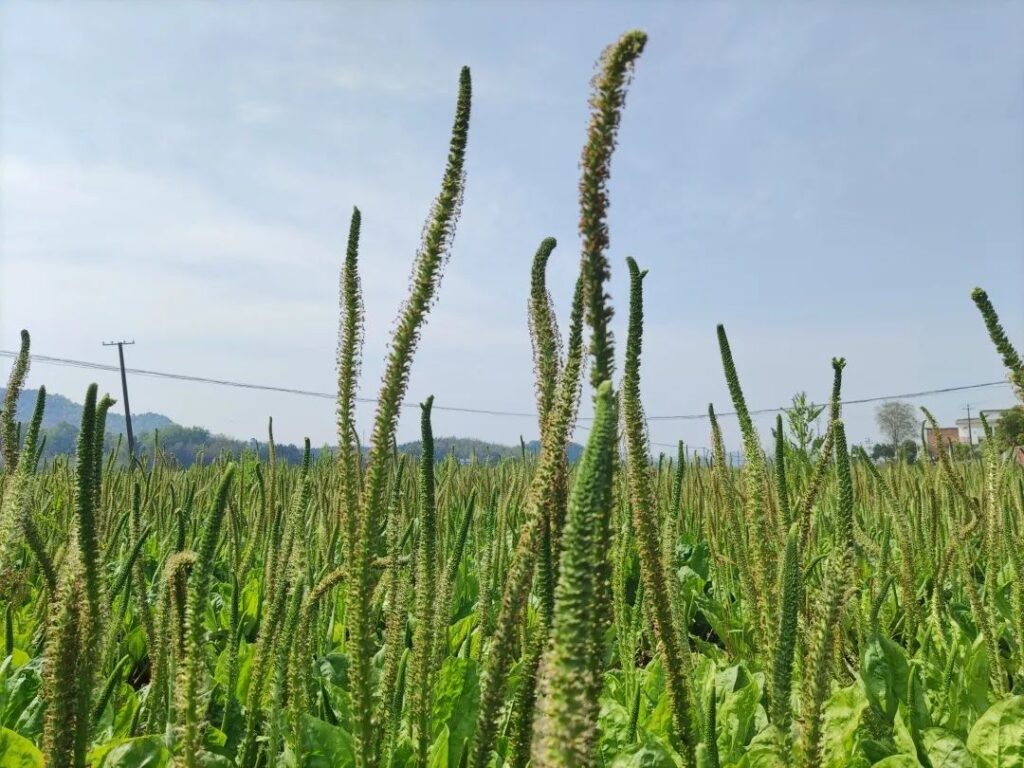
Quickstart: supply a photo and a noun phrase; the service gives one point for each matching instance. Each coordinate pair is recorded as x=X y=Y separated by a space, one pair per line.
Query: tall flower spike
x=426 y=554
x=1011 y=358
x=63 y=663
x=734 y=522
x=805 y=508
x=14 y=506
x=817 y=664
x=437 y=239
x=443 y=609
x=32 y=443
x=199 y=587
x=546 y=343
x=544 y=332
x=677 y=480
x=8 y=414
x=350 y=338
x=102 y=407
x=540 y=498
x=85 y=502
x=781 y=489
x=835 y=405
x=566 y=729
x=670 y=637
x=785 y=643
x=606 y=103
x=844 y=512
x=754 y=476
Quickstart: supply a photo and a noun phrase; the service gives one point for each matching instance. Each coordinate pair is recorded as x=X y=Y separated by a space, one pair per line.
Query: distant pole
x=970 y=434
x=124 y=390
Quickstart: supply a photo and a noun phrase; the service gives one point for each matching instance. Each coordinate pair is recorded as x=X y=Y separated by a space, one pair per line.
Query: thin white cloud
x=110 y=215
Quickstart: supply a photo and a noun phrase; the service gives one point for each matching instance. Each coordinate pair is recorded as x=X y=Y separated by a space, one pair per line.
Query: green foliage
x=800 y=418
x=1009 y=430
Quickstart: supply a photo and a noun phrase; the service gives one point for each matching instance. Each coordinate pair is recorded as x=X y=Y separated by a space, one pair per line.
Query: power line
x=859 y=401
x=68 y=362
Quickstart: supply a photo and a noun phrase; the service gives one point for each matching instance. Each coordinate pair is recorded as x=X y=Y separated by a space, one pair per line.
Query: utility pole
x=124 y=390
x=970 y=433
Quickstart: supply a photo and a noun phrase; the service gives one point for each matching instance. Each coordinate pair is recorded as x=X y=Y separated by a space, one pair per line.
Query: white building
x=971 y=431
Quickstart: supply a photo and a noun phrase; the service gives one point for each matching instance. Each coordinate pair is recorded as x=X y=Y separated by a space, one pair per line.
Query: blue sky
x=826 y=179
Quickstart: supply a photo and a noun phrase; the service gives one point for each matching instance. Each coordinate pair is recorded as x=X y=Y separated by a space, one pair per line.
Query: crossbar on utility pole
x=124 y=389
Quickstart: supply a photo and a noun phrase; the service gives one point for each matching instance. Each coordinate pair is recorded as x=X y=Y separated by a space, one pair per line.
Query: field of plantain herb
x=808 y=608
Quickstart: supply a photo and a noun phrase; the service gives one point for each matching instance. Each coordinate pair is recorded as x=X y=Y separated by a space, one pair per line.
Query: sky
x=824 y=179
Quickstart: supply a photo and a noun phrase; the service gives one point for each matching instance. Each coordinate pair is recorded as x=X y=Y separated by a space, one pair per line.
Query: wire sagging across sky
x=63 y=361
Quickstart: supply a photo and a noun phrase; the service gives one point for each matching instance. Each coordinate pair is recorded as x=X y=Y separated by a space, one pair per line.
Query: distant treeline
x=156 y=434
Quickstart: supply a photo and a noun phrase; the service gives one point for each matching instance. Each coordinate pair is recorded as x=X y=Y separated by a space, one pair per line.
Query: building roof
x=988 y=412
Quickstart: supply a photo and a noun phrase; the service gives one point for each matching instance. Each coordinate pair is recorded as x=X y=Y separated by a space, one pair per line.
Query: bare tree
x=896 y=421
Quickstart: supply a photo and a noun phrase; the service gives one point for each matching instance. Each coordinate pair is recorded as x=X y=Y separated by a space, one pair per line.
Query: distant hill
x=574 y=451
x=61 y=410
x=187 y=445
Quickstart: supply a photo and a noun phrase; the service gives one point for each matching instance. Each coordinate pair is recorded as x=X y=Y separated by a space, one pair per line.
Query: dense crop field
x=808 y=608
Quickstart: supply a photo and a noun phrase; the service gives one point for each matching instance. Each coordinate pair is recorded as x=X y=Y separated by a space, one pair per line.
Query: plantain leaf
x=884 y=670
x=997 y=738
x=945 y=749
x=324 y=745
x=18 y=752
x=142 y=752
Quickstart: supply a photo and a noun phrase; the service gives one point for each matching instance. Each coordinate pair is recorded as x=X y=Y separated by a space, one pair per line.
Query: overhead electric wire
x=63 y=361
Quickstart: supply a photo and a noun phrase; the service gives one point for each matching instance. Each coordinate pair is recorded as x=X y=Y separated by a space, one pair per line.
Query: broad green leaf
x=659 y=720
x=945 y=749
x=842 y=714
x=404 y=755
x=456 y=703
x=220 y=674
x=18 y=752
x=902 y=732
x=18 y=658
x=333 y=670
x=459 y=631
x=213 y=760
x=437 y=756
x=324 y=745
x=737 y=711
x=696 y=557
x=884 y=670
x=248 y=605
x=919 y=714
x=766 y=750
x=144 y=752
x=613 y=727
x=997 y=739
x=649 y=754
x=21 y=689
x=898 y=761
x=976 y=677
x=135 y=644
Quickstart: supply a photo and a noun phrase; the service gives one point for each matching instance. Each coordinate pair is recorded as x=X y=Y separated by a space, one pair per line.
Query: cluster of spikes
x=576 y=567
